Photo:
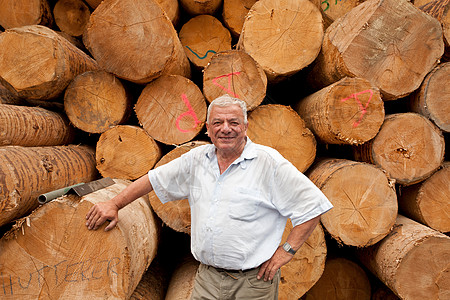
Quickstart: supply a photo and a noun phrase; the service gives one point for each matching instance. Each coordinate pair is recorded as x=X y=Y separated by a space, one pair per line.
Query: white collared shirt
x=238 y=217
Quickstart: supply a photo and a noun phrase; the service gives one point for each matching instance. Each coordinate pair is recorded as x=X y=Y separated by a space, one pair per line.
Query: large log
x=332 y=9
x=37 y=63
x=413 y=261
x=427 y=202
x=364 y=200
x=71 y=16
x=341 y=279
x=234 y=13
x=349 y=111
x=126 y=152
x=408 y=147
x=135 y=40
x=282 y=36
x=172 y=10
x=27 y=172
x=182 y=280
x=201 y=37
x=237 y=74
x=50 y=254
x=95 y=101
x=175 y=214
x=281 y=128
x=432 y=99
x=19 y=13
x=33 y=126
x=171 y=109
x=305 y=268
x=390 y=43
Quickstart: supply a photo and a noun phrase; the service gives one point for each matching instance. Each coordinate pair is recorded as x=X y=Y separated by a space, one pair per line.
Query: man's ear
x=207 y=129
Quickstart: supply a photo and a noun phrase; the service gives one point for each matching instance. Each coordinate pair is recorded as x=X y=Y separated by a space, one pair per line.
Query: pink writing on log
x=228 y=89
x=189 y=112
x=361 y=107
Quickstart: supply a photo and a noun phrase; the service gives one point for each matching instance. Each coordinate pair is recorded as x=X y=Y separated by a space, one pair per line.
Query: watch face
x=286 y=246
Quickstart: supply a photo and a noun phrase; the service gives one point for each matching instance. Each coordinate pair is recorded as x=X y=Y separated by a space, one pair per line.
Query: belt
x=221 y=270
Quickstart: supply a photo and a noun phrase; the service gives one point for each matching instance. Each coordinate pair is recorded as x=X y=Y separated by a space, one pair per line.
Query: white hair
x=227 y=100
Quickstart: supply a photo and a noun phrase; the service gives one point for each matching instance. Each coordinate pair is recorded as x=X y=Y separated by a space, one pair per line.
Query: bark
x=27 y=172
x=201 y=7
x=427 y=202
x=201 y=37
x=95 y=101
x=126 y=152
x=37 y=63
x=182 y=280
x=135 y=40
x=281 y=128
x=282 y=36
x=390 y=43
x=364 y=200
x=349 y=111
x=71 y=16
x=408 y=147
x=234 y=13
x=19 y=13
x=51 y=254
x=175 y=214
x=237 y=74
x=432 y=99
x=413 y=261
x=171 y=109
x=342 y=279
x=33 y=126
x=305 y=268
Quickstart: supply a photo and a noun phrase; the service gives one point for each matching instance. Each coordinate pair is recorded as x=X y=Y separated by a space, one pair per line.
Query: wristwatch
x=287 y=247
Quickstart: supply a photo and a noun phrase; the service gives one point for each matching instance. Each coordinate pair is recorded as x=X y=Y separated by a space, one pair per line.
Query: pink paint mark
x=189 y=112
x=361 y=107
x=228 y=90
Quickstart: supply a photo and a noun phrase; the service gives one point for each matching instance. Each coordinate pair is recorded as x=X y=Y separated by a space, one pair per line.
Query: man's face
x=226 y=128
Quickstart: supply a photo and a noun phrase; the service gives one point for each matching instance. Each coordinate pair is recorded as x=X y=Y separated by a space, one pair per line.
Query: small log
x=203 y=36
x=172 y=10
x=432 y=99
x=364 y=200
x=282 y=36
x=201 y=7
x=126 y=152
x=95 y=101
x=305 y=268
x=171 y=109
x=281 y=128
x=51 y=254
x=19 y=13
x=237 y=74
x=135 y=40
x=440 y=10
x=390 y=43
x=28 y=172
x=154 y=282
x=182 y=281
x=332 y=9
x=234 y=13
x=7 y=97
x=341 y=279
x=37 y=63
x=71 y=16
x=33 y=126
x=427 y=202
x=411 y=248
x=349 y=111
x=175 y=214
x=408 y=147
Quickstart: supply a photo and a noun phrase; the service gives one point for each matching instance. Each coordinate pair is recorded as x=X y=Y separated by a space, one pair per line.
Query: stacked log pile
x=353 y=93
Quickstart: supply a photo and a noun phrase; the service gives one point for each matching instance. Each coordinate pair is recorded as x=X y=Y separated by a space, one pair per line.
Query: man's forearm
x=138 y=188
x=300 y=233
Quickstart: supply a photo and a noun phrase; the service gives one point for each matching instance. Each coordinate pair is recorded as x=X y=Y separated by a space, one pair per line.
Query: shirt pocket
x=244 y=204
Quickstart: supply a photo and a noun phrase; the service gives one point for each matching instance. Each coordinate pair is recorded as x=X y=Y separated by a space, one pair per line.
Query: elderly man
x=241 y=195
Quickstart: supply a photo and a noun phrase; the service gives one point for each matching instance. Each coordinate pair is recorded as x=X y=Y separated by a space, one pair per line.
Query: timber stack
x=353 y=93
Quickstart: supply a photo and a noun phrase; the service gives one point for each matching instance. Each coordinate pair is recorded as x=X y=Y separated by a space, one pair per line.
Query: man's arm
x=296 y=238
x=108 y=210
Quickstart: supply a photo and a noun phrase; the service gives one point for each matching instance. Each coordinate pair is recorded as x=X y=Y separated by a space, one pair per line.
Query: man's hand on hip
x=270 y=267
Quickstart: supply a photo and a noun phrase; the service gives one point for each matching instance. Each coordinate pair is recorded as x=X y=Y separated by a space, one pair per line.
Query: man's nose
x=226 y=127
